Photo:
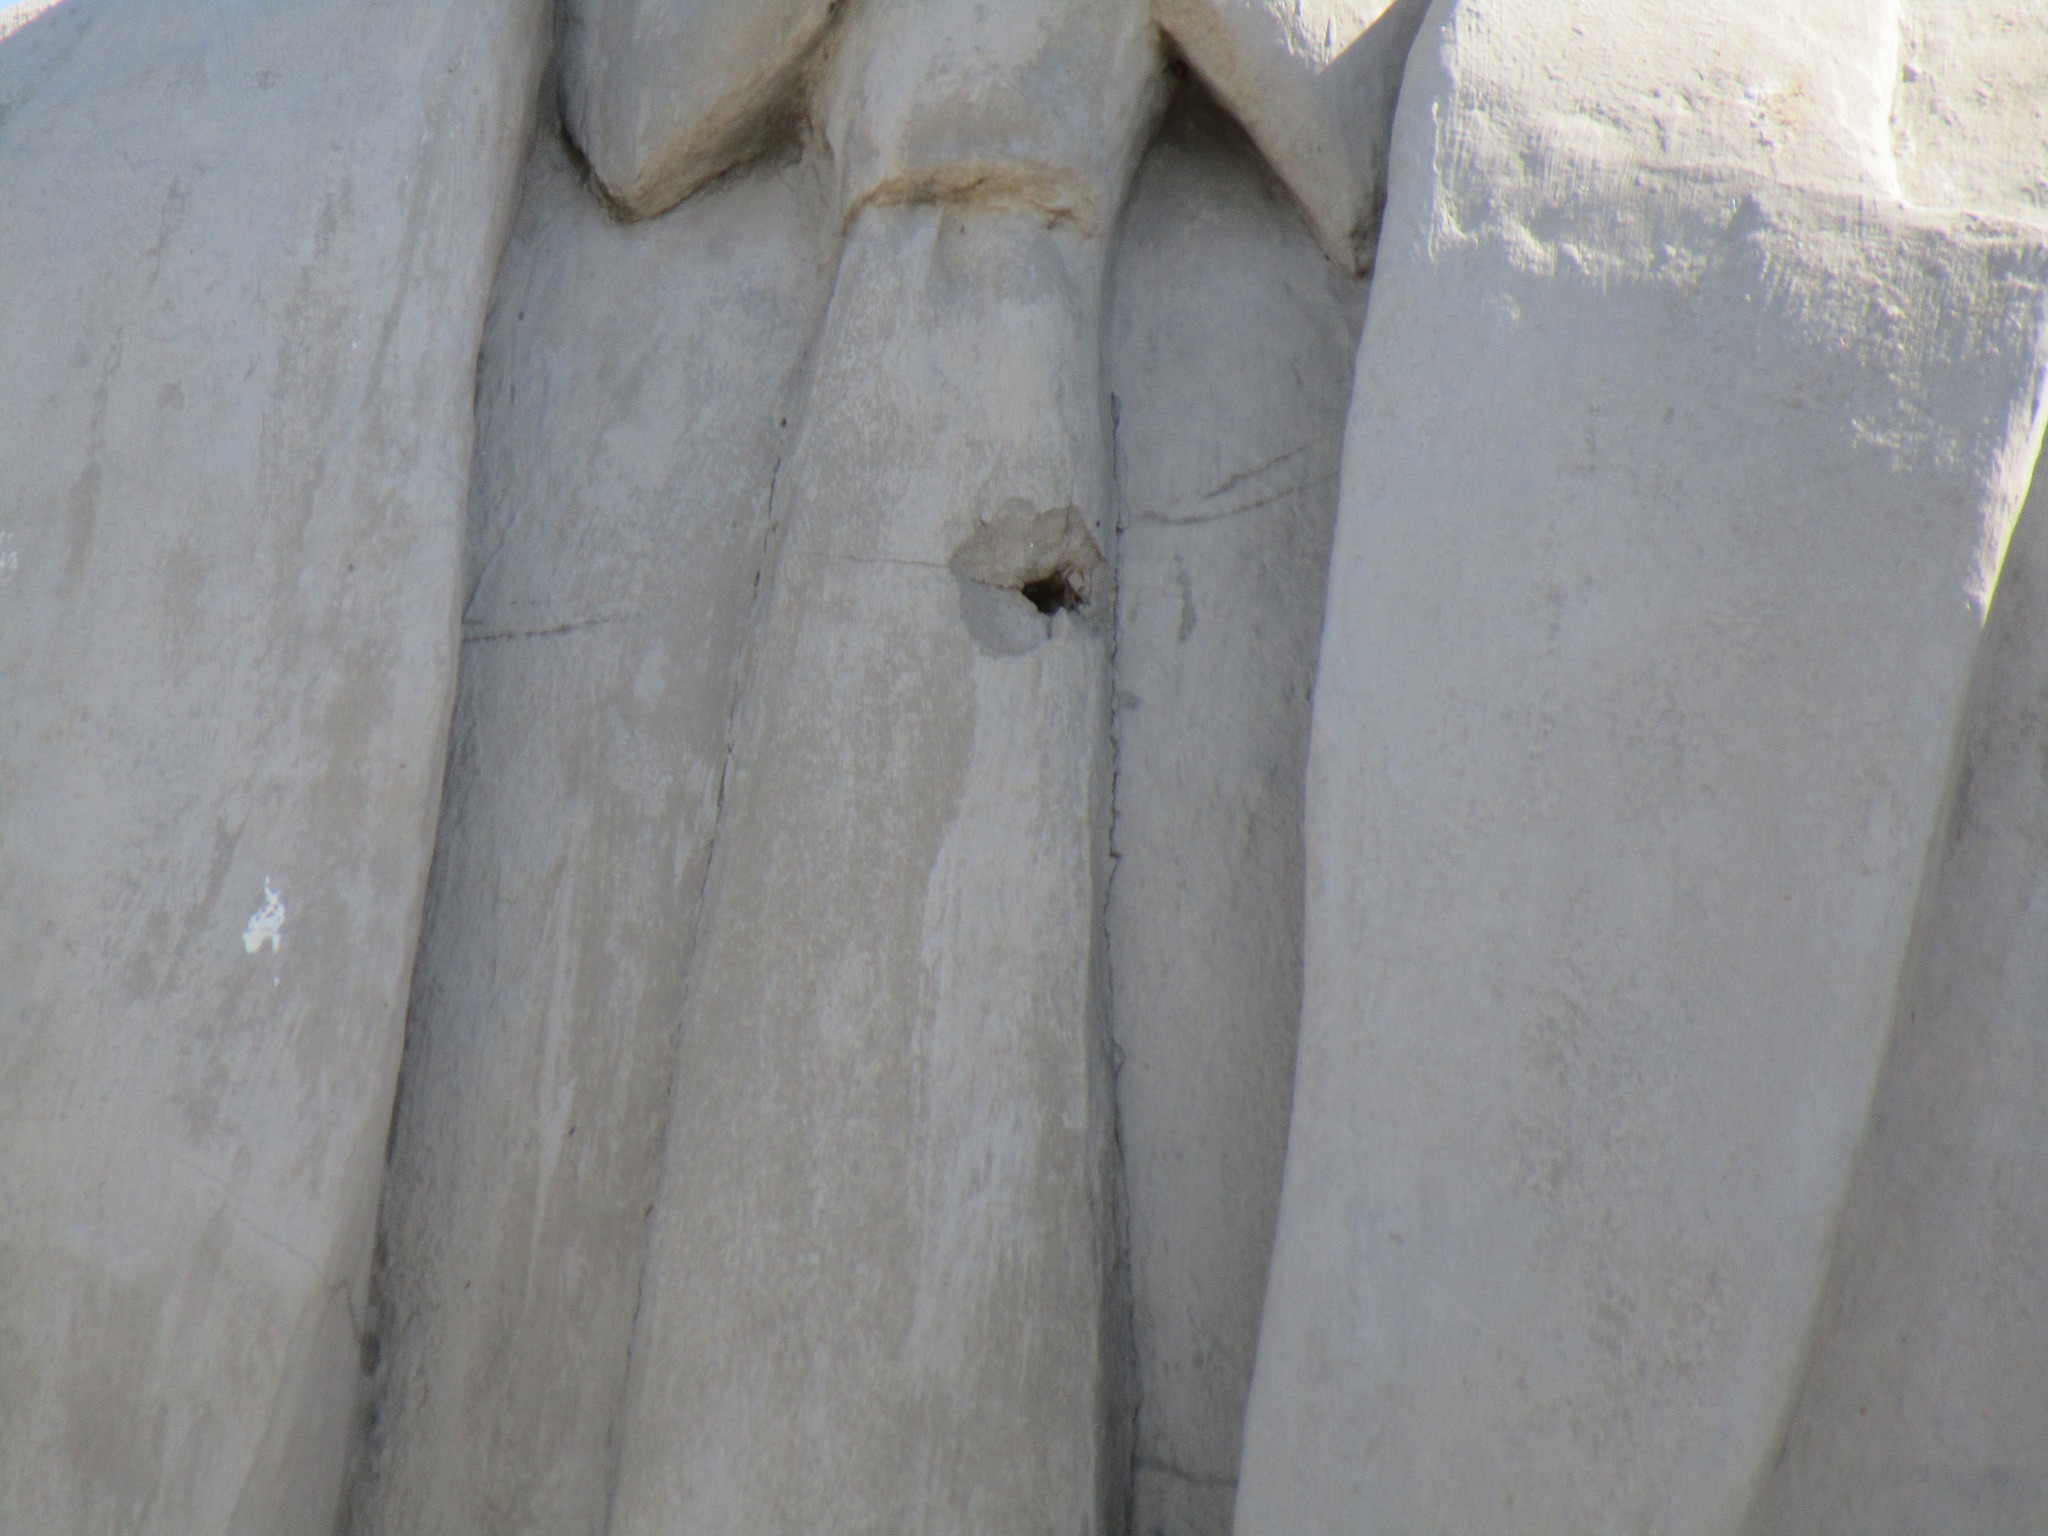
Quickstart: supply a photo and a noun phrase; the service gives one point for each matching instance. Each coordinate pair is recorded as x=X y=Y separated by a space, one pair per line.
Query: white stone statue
x=949 y=744
x=756 y=621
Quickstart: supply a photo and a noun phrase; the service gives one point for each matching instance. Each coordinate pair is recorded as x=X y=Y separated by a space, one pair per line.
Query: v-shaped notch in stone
x=1313 y=82
x=661 y=96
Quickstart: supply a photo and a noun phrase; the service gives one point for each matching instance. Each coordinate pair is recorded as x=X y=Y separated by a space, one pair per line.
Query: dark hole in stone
x=1053 y=594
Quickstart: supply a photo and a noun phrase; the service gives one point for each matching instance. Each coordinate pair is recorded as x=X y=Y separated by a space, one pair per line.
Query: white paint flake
x=266 y=924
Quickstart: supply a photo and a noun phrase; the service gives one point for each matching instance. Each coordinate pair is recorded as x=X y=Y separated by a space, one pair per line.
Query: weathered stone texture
x=636 y=392
x=1630 y=744
x=879 y=1292
x=895 y=561
x=244 y=255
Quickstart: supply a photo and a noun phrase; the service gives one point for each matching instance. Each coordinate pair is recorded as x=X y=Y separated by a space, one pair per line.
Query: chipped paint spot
x=266 y=924
x=10 y=560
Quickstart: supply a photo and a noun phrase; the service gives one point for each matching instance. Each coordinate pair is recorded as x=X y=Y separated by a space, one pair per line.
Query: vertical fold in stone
x=878 y=1287
x=1926 y=1408
x=634 y=395
x=1231 y=339
x=1681 y=462
x=244 y=256
x=1926 y=1404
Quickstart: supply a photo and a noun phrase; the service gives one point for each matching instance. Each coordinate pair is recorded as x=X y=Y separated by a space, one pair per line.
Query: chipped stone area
x=1020 y=569
x=266 y=923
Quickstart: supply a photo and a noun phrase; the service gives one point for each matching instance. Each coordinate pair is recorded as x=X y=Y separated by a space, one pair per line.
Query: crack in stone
x=1234 y=481
x=481 y=637
x=1314 y=483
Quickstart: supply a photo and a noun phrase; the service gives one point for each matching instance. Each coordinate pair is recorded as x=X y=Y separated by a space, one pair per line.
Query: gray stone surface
x=634 y=400
x=1230 y=347
x=244 y=255
x=1630 y=746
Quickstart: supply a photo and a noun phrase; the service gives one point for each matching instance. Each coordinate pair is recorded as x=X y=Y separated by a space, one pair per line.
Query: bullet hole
x=1057 y=593
x=1022 y=567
